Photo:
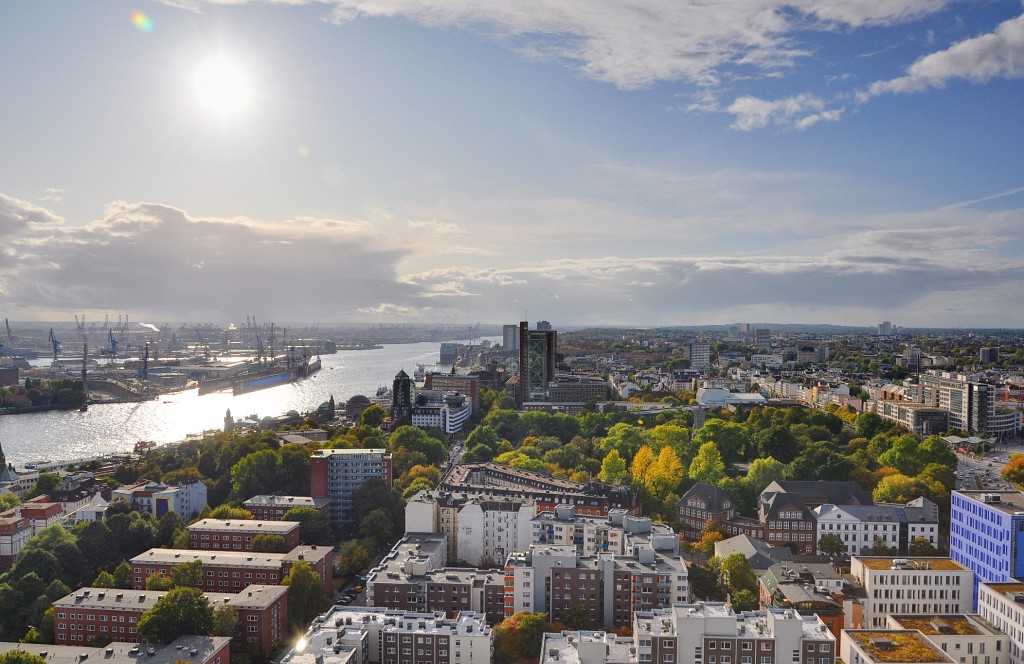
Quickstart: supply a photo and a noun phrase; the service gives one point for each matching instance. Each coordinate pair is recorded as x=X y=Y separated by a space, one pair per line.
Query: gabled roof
x=774 y=502
x=821 y=492
x=715 y=497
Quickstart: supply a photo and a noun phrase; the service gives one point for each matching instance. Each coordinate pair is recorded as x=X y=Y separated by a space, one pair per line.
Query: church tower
x=401 y=397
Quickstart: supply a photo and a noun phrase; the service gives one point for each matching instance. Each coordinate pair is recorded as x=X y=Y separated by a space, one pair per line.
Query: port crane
x=55 y=343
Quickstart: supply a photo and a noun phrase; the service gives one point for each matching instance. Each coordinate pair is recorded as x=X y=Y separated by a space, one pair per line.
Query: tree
x=519 y=637
x=373 y=494
x=745 y=600
x=225 y=621
x=166 y=528
x=613 y=468
x=377 y=524
x=736 y=574
x=256 y=474
x=638 y=468
x=46 y=483
x=763 y=472
x=732 y=439
x=187 y=575
x=123 y=575
x=704 y=584
x=228 y=512
x=577 y=617
x=9 y=500
x=666 y=473
x=104 y=580
x=158 y=581
x=313 y=524
x=707 y=466
x=373 y=416
x=831 y=544
x=483 y=435
x=920 y=546
x=18 y=656
x=868 y=424
x=352 y=558
x=264 y=543
x=180 y=611
x=1013 y=471
x=880 y=548
x=306 y=594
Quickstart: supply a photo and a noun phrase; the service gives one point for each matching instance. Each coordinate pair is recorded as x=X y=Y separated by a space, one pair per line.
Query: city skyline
x=417 y=161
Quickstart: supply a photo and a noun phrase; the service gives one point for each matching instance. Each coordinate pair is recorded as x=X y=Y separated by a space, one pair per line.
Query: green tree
x=46 y=483
x=123 y=575
x=180 y=611
x=352 y=558
x=920 y=546
x=483 y=435
x=763 y=472
x=736 y=574
x=228 y=512
x=576 y=617
x=187 y=575
x=225 y=621
x=732 y=439
x=377 y=524
x=33 y=635
x=707 y=466
x=104 y=580
x=777 y=442
x=306 y=594
x=313 y=524
x=704 y=584
x=868 y=424
x=373 y=416
x=831 y=544
x=373 y=494
x=613 y=468
x=256 y=474
x=167 y=527
x=8 y=501
x=745 y=600
x=158 y=581
x=18 y=656
x=264 y=543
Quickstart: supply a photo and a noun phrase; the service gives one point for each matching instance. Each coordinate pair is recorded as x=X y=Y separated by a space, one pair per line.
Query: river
x=106 y=428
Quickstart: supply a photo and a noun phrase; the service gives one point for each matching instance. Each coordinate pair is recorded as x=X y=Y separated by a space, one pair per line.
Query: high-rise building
x=401 y=396
x=338 y=474
x=543 y=326
x=700 y=356
x=986 y=535
x=885 y=328
x=536 y=363
x=988 y=354
x=763 y=339
x=510 y=337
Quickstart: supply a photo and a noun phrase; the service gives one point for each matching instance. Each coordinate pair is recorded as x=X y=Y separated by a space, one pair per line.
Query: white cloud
x=18 y=216
x=635 y=43
x=437 y=227
x=797 y=112
x=998 y=54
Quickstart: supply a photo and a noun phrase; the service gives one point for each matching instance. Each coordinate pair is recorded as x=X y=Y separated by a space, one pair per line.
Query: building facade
x=986 y=534
x=273 y=508
x=536 y=363
x=237 y=535
x=911 y=586
x=337 y=474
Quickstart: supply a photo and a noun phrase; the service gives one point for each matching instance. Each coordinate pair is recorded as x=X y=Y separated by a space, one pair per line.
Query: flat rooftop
x=287 y=501
x=246 y=526
x=1010 y=502
x=903 y=646
x=195 y=649
x=946 y=625
x=915 y=564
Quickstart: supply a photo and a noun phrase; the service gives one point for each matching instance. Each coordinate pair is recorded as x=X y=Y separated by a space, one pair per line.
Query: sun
x=221 y=86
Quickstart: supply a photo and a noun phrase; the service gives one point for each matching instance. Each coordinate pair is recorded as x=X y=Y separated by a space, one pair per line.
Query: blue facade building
x=986 y=535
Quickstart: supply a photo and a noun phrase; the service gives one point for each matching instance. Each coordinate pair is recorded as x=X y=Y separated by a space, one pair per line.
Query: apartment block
x=187 y=500
x=895 y=526
x=337 y=474
x=712 y=633
x=911 y=586
x=1002 y=605
x=273 y=508
x=808 y=589
x=90 y=613
x=986 y=534
x=969 y=639
x=196 y=649
x=379 y=636
x=237 y=535
x=232 y=571
x=594 y=498
x=14 y=532
x=892 y=646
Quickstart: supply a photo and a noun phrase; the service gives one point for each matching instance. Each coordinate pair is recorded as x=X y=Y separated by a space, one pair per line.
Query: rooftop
x=1010 y=502
x=958 y=624
x=903 y=646
x=195 y=649
x=246 y=526
x=287 y=501
x=885 y=562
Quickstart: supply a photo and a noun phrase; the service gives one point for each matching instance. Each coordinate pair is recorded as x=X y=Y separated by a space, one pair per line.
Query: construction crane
x=56 y=344
x=10 y=337
x=113 y=342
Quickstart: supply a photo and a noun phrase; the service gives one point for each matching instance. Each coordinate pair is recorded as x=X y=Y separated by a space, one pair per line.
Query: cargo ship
x=299 y=367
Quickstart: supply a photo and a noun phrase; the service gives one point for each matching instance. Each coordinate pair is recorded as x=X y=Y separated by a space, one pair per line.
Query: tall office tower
x=536 y=363
x=762 y=339
x=401 y=396
x=988 y=354
x=543 y=326
x=510 y=337
x=700 y=356
x=885 y=328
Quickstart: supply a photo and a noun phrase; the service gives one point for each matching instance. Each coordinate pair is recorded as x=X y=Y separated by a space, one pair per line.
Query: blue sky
x=633 y=162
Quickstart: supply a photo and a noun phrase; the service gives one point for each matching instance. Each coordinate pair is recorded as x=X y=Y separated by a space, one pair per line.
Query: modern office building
x=762 y=339
x=536 y=363
x=338 y=473
x=447 y=411
x=510 y=338
x=986 y=535
x=401 y=396
x=1002 y=604
x=911 y=586
x=970 y=403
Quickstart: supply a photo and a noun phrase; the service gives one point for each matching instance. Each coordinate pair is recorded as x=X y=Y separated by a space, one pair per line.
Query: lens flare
x=142 y=22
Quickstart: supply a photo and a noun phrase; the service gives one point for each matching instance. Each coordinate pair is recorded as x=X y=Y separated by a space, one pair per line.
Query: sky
x=586 y=162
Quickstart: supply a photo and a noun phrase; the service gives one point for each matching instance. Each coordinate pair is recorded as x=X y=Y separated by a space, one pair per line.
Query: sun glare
x=221 y=86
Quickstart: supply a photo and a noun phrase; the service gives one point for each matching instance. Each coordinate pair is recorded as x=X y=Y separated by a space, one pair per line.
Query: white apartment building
x=481 y=530
x=895 y=525
x=356 y=635
x=1002 y=604
x=904 y=646
x=969 y=639
x=617 y=533
x=911 y=586
x=712 y=633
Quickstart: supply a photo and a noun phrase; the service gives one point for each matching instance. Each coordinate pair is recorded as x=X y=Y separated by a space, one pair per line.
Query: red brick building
x=112 y=613
x=273 y=508
x=232 y=571
x=237 y=535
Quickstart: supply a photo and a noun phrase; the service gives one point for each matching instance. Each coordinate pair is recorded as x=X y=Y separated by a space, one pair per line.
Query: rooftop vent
x=941 y=626
x=883 y=643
